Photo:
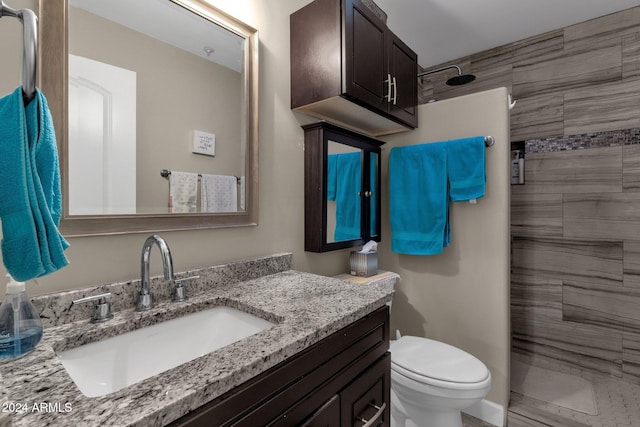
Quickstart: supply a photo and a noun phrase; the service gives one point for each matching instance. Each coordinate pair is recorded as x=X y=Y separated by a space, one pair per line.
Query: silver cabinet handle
x=395 y=91
x=101 y=308
x=376 y=417
x=389 y=86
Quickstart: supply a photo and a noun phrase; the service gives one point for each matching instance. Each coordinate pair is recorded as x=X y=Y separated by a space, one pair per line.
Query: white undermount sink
x=109 y=365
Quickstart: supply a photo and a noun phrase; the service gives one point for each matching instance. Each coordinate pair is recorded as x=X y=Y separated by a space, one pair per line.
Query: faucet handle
x=179 y=293
x=101 y=308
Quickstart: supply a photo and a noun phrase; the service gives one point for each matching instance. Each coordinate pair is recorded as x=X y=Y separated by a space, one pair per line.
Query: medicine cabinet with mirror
x=342 y=188
x=146 y=86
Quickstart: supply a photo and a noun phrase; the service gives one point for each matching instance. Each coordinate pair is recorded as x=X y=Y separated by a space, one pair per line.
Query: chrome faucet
x=145 y=298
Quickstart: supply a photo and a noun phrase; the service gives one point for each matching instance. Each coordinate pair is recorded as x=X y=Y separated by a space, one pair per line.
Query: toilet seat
x=435 y=363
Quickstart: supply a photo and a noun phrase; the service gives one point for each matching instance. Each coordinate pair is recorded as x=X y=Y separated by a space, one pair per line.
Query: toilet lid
x=434 y=359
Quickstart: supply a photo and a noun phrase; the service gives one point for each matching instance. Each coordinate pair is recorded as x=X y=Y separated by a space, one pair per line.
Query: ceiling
x=444 y=30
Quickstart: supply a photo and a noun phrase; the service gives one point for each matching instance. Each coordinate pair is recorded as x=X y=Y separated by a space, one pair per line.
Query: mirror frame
x=53 y=60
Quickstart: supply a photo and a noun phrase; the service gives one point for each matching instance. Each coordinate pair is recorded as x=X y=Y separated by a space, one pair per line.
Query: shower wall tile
x=537 y=117
x=631 y=56
x=631 y=167
x=610 y=216
x=568 y=259
x=563 y=71
x=631 y=267
x=536 y=215
x=631 y=357
x=593 y=348
x=603 y=107
x=609 y=26
x=583 y=171
x=536 y=298
x=485 y=79
x=614 y=307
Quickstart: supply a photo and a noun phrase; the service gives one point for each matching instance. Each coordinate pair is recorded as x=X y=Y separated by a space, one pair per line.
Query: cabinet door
x=364 y=56
x=403 y=66
x=368 y=397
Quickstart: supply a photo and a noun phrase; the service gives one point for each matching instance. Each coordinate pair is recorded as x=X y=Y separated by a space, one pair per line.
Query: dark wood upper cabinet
x=347 y=67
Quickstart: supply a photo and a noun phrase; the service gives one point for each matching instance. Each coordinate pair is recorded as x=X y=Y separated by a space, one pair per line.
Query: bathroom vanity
x=324 y=362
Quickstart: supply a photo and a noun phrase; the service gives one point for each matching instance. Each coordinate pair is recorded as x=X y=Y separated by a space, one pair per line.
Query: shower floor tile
x=618 y=405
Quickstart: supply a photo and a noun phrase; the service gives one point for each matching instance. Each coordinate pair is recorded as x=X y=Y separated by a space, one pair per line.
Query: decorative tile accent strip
x=582 y=141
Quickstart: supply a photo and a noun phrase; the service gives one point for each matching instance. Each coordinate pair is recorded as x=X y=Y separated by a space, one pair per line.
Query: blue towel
x=30 y=200
x=348 y=202
x=466 y=168
x=418 y=199
x=374 y=184
x=422 y=180
x=332 y=176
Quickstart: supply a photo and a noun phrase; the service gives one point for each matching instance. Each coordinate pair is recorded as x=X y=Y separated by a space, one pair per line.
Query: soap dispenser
x=20 y=325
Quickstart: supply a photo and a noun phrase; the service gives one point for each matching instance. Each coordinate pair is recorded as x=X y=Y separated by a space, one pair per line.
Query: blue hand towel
x=418 y=199
x=348 y=202
x=466 y=168
x=332 y=176
x=31 y=243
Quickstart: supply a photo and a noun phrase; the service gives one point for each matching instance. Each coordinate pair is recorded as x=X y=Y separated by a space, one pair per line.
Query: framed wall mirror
x=155 y=108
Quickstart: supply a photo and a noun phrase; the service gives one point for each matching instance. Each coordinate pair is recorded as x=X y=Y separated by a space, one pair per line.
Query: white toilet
x=431 y=382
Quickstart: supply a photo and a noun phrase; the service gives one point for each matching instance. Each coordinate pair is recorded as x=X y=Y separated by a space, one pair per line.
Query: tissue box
x=364 y=265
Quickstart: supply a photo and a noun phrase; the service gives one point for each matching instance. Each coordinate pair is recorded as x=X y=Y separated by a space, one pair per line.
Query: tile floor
x=618 y=406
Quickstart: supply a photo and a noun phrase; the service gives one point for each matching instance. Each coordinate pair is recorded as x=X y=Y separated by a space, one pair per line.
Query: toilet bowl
x=431 y=382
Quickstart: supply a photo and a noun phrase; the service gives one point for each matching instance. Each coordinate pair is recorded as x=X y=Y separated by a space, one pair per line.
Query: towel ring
x=30 y=48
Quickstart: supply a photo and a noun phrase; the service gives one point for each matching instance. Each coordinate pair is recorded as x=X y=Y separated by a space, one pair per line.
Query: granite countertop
x=304 y=307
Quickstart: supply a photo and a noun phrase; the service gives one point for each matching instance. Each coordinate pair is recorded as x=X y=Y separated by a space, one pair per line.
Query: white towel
x=219 y=193
x=183 y=192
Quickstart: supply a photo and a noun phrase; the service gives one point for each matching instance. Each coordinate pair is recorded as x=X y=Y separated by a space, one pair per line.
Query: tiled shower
x=576 y=253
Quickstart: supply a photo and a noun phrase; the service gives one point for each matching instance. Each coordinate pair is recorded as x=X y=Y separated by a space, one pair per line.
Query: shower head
x=460 y=79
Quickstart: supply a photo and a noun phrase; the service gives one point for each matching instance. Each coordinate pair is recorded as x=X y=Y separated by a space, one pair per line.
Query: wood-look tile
x=538 y=117
x=614 y=307
x=512 y=53
x=536 y=215
x=562 y=71
x=602 y=107
x=631 y=264
x=589 y=347
x=631 y=357
x=566 y=259
x=536 y=298
x=631 y=167
x=631 y=56
x=528 y=412
x=609 y=216
x=612 y=25
x=579 y=171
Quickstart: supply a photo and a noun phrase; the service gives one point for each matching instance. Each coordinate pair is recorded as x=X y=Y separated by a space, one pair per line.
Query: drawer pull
x=376 y=418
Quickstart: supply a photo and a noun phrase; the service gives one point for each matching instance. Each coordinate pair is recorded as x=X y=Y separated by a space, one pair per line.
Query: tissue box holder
x=363 y=265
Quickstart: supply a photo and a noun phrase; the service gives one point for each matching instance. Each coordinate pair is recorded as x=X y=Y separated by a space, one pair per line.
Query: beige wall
x=281 y=214
x=462 y=295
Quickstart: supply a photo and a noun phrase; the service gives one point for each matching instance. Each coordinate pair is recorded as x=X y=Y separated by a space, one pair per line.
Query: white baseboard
x=487 y=411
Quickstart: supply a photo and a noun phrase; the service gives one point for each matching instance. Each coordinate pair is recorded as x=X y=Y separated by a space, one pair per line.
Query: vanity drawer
x=368 y=397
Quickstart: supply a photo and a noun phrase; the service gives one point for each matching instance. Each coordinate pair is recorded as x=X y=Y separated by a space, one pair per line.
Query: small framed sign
x=204 y=143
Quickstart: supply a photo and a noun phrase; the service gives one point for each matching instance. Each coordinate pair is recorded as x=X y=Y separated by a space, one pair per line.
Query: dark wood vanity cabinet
x=344 y=60
x=341 y=188
x=339 y=381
